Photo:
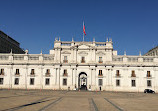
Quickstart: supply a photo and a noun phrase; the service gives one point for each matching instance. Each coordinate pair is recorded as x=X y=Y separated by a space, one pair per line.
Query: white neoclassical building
x=79 y=65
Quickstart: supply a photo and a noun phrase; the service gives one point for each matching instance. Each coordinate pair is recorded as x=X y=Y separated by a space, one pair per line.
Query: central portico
x=82 y=81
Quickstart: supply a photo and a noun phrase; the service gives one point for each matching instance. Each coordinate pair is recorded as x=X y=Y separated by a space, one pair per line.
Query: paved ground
x=48 y=100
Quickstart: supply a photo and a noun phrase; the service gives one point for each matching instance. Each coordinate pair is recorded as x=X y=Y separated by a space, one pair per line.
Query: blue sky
x=132 y=24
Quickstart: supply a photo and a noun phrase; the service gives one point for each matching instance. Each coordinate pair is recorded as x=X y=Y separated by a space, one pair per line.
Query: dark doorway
x=82 y=81
x=100 y=88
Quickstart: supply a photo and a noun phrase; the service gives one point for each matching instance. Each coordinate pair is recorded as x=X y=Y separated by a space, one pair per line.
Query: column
x=76 y=78
x=11 y=76
x=26 y=73
x=59 y=78
x=41 y=78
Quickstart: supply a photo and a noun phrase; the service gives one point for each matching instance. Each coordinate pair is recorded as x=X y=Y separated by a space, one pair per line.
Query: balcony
x=65 y=61
x=47 y=74
x=148 y=76
x=65 y=74
x=2 y=74
x=17 y=74
x=100 y=75
x=32 y=74
x=118 y=75
x=133 y=75
x=100 y=61
x=83 y=61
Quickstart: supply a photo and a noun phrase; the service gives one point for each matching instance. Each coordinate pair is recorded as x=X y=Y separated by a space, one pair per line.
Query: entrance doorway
x=82 y=81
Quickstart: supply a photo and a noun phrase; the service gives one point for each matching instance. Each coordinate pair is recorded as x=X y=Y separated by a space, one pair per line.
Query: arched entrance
x=82 y=81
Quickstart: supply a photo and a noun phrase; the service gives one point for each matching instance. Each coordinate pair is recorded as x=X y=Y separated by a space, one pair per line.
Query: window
x=64 y=82
x=117 y=82
x=17 y=72
x=65 y=72
x=48 y=72
x=148 y=74
x=149 y=83
x=65 y=59
x=100 y=60
x=100 y=73
x=47 y=81
x=83 y=60
x=2 y=72
x=16 y=81
x=117 y=73
x=133 y=74
x=32 y=71
x=100 y=82
x=1 y=81
x=133 y=82
x=31 y=81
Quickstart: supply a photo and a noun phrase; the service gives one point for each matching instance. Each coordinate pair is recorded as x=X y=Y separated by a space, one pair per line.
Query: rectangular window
x=32 y=81
x=117 y=82
x=100 y=73
x=65 y=72
x=48 y=72
x=117 y=73
x=148 y=74
x=65 y=59
x=100 y=60
x=2 y=72
x=17 y=72
x=133 y=82
x=83 y=60
x=64 y=82
x=47 y=81
x=100 y=82
x=16 y=81
x=149 y=83
x=1 y=81
x=133 y=74
x=32 y=71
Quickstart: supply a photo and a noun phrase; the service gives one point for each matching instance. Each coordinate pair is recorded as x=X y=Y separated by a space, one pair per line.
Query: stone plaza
x=63 y=100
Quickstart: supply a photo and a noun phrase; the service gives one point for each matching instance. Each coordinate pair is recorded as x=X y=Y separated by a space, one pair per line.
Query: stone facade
x=79 y=65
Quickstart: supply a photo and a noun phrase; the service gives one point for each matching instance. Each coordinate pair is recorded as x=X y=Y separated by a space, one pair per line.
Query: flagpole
x=83 y=36
x=83 y=31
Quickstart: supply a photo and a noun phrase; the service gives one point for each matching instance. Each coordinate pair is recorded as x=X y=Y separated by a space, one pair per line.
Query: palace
x=79 y=65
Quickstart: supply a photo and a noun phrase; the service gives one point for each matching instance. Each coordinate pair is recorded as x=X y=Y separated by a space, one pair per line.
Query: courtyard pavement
x=48 y=100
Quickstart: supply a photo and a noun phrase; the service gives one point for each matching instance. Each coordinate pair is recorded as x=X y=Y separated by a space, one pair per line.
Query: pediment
x=83 y=53
x=82 y=46
x=100 y=53
x=65 y=52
